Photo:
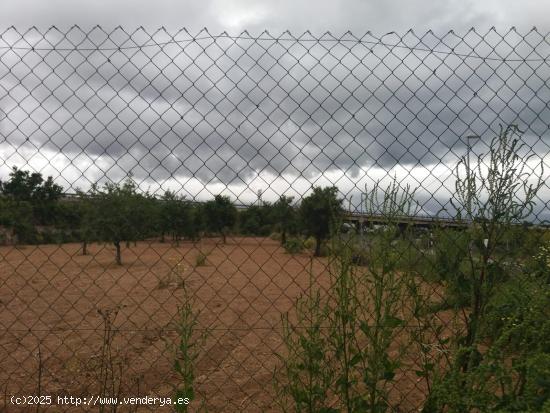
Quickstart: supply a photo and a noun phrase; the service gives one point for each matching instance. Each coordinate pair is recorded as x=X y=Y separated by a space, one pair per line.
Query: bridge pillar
x=361 y=226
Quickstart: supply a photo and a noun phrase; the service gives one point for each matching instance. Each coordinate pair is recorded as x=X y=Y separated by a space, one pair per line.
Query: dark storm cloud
x=225 y=110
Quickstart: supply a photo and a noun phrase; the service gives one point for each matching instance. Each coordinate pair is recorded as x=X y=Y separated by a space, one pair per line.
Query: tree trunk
x=283 y=237
x=127 y=244
x=118 y=259
x=223 y=237
x=162 y=236
x=318 y=246
x=84 y=248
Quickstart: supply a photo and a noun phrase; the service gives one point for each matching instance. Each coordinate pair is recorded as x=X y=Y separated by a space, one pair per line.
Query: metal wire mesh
x=252 y=117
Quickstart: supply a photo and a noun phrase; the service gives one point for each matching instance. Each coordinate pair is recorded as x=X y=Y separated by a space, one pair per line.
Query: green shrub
x=48 y=237
x=355 y=359
x=294 y=245
x=539 y=264
x=275 y=236
x=511 y=373
x=305 y=376
x=408 y=255
x=499 y=360
x=449 y=265
x=309 y=243
x=450 y=250
x=521 y=303
x=325 y=249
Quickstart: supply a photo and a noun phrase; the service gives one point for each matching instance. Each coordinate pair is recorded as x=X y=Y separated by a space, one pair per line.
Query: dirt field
x=51 y=297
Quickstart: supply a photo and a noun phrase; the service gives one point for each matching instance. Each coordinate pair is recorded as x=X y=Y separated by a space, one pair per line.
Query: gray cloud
x=295 y=15
x=227 y=110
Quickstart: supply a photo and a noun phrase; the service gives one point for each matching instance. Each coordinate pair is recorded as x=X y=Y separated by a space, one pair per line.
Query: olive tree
x=220 y=215
x=42 y=195
x=176 y=217
x=118 y=213
x=284 y=216
x=319 y=212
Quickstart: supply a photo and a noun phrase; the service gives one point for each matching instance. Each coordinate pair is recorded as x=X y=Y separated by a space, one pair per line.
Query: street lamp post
x=360 y=217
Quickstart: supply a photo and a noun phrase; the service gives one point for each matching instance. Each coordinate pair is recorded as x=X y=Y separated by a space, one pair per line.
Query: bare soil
x=51 y=298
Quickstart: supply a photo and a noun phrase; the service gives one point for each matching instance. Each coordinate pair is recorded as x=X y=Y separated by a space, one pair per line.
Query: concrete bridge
x=359 y=220
x=362 y=220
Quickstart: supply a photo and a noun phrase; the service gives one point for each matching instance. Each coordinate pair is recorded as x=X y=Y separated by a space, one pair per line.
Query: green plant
x=190 y=342
x=357 y=355
x=410 y=257
x=518 y=324
x=175 y=275
x=220 y=215
x=284 y=215
x=492 y=199
x=539 y=264
x=309 y=243
x=119 y=213
x=483 y=371
x=175 y=217
x=319 y=213
x=345 y=325
x=511 y=374
x=449 y=265
x=257 y=220
x=382 y=289
x=293 y=245
x=305 y=375
x=42 y=195
x=18 y=216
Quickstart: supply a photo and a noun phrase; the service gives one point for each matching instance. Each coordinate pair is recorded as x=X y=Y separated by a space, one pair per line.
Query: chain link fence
x=159 y=218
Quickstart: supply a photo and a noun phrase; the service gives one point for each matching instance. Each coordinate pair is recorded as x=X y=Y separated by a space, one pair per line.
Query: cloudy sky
x=202 y=114
x=275 y=15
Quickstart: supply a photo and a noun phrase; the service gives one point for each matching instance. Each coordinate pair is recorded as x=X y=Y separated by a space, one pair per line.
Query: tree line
x=36 y=211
